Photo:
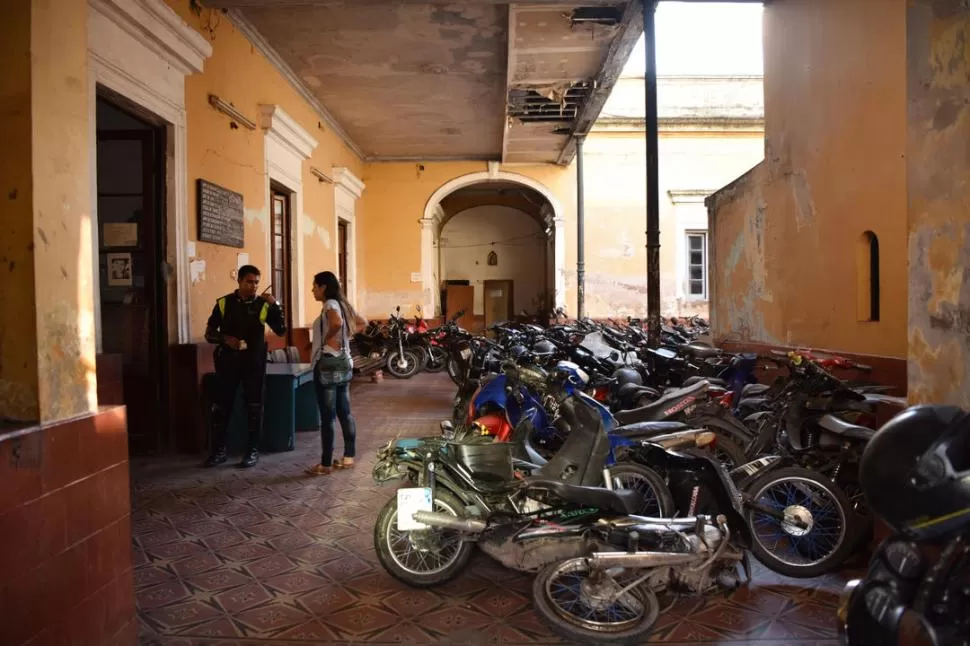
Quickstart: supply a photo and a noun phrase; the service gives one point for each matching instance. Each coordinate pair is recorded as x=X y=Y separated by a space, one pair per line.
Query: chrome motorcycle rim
x=596 y=605
x=411 y=549
x=795 y=497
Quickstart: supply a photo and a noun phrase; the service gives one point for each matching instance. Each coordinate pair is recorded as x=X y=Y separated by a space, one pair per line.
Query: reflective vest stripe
x=263 y=313
x=222 y=306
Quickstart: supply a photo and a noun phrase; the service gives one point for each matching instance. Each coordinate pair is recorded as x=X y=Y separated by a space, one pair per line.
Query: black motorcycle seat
x=841 y=427
x=624 y=501
x=714 y=381
x=646 y=430
x=701 y=351
x=654 y=411
x=752 y=402
x=752 y=390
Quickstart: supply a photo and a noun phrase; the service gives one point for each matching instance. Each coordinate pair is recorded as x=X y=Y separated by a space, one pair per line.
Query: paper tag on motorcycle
x=409 y=501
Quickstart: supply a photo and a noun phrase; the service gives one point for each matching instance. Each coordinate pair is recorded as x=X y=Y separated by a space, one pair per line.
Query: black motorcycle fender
x=747 y=473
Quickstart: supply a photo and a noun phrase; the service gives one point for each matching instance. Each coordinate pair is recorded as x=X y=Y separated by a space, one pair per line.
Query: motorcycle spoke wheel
x=794 y=549
x=586 y=605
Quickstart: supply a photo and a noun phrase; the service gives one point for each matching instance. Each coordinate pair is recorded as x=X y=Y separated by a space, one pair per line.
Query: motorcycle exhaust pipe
x=447 y=521
x=640 y=559
x=684 y=439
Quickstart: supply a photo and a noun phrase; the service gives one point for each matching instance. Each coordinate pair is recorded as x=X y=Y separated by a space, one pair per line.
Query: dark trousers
x=333 y=400
x=248 y=368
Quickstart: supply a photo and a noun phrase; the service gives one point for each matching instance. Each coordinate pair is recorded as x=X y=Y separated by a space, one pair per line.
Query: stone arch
x=433 y=213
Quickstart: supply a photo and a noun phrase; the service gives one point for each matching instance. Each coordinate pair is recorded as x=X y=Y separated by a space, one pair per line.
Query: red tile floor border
x=271 y=556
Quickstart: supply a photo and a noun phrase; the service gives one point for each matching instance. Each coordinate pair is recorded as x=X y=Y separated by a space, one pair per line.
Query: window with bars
x=697 y=265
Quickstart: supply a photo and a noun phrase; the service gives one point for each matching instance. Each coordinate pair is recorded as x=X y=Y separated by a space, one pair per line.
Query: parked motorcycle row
x=622 y=475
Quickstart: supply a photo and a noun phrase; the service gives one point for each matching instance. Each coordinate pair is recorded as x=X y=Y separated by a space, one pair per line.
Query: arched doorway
x=503 y=193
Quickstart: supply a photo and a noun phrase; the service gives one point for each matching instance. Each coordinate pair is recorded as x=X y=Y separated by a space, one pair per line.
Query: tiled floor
x=270 y=556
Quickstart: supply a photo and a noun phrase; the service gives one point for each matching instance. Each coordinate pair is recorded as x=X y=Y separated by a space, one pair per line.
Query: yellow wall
x=784 y=259
x=615 y=181
x=939 y=223
x=240 y=74
x=46 y=334
x=389 y=243
x=18 y=333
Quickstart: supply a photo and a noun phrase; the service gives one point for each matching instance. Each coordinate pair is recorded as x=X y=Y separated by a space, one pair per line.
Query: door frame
x=156 y=167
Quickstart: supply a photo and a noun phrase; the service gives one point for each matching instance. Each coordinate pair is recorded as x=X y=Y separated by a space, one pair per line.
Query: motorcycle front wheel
x=402 y=366
x=587 y=606
x=819 y=542
x=437 y=360
x=454 y=371
x=422 y=558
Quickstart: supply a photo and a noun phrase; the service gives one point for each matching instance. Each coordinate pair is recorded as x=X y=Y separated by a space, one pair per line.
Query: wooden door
x=342 y=254
x=281 y=285
x=131 y=246
x=497 y=299
x=461 y=297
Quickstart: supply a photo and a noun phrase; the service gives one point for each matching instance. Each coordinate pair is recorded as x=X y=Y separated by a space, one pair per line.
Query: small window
x=867 y=271
x=697 y=265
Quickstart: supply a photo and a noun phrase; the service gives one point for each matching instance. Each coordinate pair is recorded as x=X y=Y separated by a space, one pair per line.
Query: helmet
x=627 y=376
x=518 y=351
x=915 y=472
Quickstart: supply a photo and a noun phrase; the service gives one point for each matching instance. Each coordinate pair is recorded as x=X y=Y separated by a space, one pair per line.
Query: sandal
x=345 y=463
x=319 y=470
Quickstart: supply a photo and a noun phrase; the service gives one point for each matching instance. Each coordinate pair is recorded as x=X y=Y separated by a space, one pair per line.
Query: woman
x=333 y=370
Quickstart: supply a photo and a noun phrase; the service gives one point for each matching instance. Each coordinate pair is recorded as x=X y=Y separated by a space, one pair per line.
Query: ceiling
x=478 y=79
x=496 y=193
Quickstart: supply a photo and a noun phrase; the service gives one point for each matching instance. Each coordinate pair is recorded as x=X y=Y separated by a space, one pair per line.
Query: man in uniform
x=237 y=327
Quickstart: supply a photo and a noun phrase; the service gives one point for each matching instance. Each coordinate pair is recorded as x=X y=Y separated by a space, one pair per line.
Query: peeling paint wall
x=938 y=64
x=615 y=181
x=238 y=73
x=785 y=234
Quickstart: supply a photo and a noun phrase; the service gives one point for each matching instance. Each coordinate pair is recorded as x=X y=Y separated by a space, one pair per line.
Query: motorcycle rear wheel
x=595 y=625
x=387 y=537
x=658 y=502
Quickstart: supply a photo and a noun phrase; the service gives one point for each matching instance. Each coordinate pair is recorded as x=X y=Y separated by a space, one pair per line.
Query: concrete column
x=47 y=347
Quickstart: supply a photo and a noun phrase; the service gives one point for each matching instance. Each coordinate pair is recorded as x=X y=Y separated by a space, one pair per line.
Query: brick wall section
x=65 y=543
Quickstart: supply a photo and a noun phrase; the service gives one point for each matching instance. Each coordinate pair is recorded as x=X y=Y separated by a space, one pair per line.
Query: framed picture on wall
x=119 y=270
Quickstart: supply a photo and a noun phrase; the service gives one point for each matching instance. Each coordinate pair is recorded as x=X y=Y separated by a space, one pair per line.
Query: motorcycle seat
x=714 y=381
x=753 y=390
x=752 y=402
x=655 y=411
x=648 y=429
x=701 y=351
x=624 y=501
x=840 y=427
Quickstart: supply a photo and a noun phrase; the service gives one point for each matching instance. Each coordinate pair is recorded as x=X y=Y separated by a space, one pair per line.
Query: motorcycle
x=466 y=493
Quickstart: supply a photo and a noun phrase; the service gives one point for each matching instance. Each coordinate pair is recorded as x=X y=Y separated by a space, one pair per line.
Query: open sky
x=705 y=38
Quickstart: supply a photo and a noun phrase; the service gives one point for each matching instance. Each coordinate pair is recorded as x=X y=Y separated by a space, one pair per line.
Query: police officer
x=236 y=326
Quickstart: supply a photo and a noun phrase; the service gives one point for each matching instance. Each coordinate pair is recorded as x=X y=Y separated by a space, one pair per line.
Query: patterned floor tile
x=264 y=556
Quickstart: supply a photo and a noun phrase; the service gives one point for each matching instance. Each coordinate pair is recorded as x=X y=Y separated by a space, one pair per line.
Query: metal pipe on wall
x=653 y=176
x=580 y=233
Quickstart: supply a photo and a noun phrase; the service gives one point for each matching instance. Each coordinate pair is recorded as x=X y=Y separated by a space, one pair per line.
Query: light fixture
x=231 y=112
x=320 y=175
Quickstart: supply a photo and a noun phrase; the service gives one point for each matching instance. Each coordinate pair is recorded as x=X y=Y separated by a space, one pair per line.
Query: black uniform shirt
x=245 y=320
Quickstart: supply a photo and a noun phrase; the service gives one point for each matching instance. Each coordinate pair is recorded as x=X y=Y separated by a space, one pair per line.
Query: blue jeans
x=334 y=403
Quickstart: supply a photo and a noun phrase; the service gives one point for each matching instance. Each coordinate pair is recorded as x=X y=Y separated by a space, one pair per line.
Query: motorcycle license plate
x=409 y=501
x=466 y=354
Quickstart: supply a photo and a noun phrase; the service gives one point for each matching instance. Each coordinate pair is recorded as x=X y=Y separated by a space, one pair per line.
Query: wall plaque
x=220 y=215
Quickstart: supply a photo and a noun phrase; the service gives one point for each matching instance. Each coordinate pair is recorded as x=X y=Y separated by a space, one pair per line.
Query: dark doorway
x=281 y=285
x=131 y=248
x=342 y=253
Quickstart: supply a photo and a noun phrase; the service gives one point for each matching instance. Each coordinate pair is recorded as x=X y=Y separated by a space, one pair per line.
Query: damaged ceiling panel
x=479 y=79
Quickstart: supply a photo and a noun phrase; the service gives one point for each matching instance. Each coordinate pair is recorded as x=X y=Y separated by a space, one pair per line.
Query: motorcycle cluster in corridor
x=622 y=473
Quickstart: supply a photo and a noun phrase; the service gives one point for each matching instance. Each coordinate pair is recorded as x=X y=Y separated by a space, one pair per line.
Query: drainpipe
x=580 y=233
x=653 y=176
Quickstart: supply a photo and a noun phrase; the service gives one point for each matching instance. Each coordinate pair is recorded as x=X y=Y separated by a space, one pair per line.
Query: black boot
x=216 y=458
x=250 y=459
